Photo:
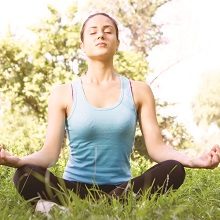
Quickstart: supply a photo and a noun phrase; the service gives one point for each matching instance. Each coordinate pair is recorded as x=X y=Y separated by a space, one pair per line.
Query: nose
x=100 y=35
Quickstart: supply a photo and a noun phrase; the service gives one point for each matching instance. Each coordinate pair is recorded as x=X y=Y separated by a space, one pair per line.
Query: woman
x=99 y=111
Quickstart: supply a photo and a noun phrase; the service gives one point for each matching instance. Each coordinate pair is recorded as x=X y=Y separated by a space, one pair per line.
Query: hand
x=7 y=159
x=208 y=160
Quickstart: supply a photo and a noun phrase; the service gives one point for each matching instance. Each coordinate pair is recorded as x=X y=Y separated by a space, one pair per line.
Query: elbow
x=50 y=158
x=156 y=153
x=52 y=163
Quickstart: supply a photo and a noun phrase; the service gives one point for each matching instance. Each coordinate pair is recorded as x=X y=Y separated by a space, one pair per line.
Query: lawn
x=198 y=198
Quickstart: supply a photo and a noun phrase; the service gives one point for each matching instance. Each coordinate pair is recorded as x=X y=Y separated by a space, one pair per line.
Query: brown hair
x=93 y=15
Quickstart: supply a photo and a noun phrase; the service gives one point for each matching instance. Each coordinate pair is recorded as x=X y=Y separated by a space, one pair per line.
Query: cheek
x=87 y=45
x=115 y=45
x=88 y=37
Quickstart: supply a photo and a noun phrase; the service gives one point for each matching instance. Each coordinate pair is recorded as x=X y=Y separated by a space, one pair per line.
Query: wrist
x=190 y=163
x=20 y=163
x=194 y=163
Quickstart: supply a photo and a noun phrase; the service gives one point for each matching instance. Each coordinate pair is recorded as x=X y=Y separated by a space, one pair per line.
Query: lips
x=101 y=44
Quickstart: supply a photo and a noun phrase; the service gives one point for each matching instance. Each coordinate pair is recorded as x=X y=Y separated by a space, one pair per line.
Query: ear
x=82 y=45
x=118 y=45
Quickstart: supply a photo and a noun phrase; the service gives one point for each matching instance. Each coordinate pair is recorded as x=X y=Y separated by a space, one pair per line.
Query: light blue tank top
x=100 y=139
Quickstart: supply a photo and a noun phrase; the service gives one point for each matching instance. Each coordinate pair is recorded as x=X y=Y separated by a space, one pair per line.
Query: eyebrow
x=105 y=26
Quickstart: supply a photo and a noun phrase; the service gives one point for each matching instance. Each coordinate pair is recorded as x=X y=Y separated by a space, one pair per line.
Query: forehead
x=99 y=20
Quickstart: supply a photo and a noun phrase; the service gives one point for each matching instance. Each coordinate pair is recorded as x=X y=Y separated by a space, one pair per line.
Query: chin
x=100 y=56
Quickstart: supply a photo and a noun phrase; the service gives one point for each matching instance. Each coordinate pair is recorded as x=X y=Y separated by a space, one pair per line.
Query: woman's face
x=100 y=41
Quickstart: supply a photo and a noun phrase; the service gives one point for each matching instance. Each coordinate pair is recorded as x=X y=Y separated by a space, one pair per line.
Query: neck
x=100 y=71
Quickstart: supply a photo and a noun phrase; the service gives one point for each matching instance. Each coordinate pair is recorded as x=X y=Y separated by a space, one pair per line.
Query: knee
x=176 y=170
x=24 y=172
x=21 y=171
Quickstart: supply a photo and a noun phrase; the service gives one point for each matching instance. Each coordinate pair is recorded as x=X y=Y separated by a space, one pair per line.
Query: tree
x=15 y=67
x=136 y=19
x=131 y=64
x=137 y=16
x=29 y=71
x=173 y=132
x=206 y=104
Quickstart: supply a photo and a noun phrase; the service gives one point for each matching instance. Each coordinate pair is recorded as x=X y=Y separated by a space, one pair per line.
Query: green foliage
x=28 y=72
x=139 y=163
x=173 y=132
x=21 y=134
x=131 y=64
x=15 y=67
x=206 y=104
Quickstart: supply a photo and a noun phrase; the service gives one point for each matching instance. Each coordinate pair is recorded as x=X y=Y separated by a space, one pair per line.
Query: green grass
x=198 y=198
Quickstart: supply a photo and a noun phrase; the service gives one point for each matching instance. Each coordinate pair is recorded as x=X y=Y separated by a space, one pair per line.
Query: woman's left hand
x=208 y=160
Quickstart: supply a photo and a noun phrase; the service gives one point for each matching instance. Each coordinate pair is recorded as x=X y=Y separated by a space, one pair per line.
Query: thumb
x=2 y=153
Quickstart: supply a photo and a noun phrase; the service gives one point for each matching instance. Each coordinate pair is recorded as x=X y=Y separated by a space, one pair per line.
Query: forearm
x=166 y=152
x=39 y=158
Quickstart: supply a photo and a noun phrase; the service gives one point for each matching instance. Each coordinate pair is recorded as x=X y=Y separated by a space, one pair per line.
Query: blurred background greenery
x=28 y=71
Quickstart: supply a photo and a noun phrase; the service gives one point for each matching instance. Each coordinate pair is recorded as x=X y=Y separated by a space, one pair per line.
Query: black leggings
x=34 y=183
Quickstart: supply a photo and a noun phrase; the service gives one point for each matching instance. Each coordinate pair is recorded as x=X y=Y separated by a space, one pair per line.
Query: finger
x=2 y=159
x=210 y=153
x=2 y=146
x=215 y=160
x=214 y=154
x=5 y=153
x=216 y=147
x=218 y=151
x=212 y=160
x=2 y=153
x=218 y=155
x=208 y=159
x=215 y=150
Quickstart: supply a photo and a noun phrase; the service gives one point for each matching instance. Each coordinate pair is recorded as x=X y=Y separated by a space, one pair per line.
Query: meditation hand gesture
x=7 y=159
x=208 y=160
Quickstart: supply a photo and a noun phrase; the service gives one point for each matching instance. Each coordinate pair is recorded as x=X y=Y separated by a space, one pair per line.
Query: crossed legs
x=34 y=183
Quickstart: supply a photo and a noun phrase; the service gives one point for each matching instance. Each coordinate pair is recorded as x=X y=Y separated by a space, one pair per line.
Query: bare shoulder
x=140 y=86
x=61 y=89
x=61 y=94
x=141 y=91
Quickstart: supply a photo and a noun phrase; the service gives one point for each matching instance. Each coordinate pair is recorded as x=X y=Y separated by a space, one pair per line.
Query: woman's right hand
x=7 y=159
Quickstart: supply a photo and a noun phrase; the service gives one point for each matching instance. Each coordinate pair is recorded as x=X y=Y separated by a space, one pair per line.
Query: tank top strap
x=126 y=86
x=127 y=90
x=75 y=86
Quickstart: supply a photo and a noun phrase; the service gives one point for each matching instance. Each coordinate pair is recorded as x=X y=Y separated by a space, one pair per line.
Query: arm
x=50 y=151
x=157 y=149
